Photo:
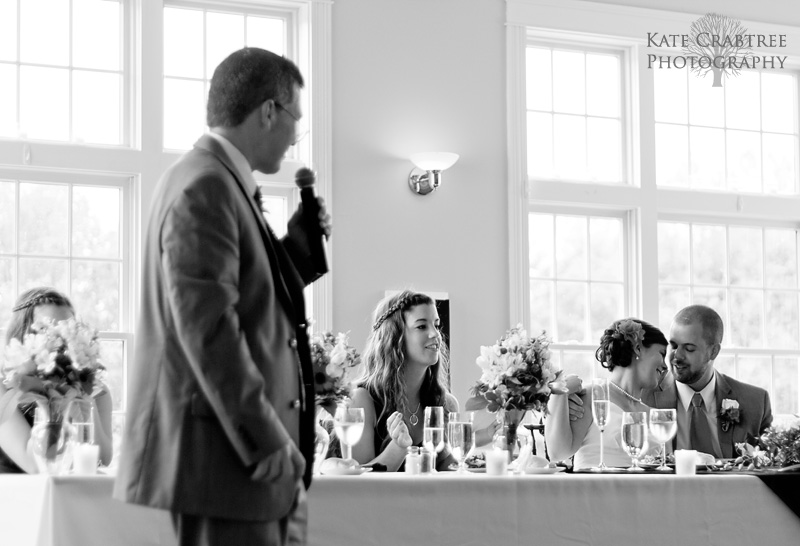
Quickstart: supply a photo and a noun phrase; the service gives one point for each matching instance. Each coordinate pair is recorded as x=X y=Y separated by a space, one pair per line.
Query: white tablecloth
x=447 y=509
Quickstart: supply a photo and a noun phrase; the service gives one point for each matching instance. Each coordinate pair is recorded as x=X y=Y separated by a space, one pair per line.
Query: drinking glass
x=349 y=426
x=634 y=437
x=663 y=427
x=433 y=430
x=460 y=437
x=600 y=403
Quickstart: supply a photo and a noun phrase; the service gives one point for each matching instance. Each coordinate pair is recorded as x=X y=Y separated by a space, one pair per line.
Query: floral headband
x=396 y=306
x=33 y=302
x=631 y=331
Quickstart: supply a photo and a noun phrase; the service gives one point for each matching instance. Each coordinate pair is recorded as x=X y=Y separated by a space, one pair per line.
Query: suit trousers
x=291 y=530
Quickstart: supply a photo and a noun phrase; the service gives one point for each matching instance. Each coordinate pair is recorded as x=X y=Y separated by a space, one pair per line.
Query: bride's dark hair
x=620 y=342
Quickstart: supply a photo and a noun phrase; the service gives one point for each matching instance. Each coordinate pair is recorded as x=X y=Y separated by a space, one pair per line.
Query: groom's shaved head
x=709 y=319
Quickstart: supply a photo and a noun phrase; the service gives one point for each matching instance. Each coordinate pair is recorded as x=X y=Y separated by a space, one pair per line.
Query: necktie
x=699 y=431
x=259 y=199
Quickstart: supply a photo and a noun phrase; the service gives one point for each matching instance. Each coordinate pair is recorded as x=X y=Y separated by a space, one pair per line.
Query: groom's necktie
x=699 y=431
x=259 y=199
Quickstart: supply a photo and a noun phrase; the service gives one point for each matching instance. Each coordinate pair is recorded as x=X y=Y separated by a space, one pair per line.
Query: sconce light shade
x=426 y=176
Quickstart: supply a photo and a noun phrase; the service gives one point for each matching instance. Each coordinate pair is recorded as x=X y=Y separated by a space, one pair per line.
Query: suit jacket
x=755 y=411
x=222 y=374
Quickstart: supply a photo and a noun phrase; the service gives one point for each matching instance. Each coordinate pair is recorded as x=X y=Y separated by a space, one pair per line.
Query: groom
x=714 y=411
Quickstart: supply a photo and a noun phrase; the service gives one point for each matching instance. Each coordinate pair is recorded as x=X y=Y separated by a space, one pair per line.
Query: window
x=694 y=210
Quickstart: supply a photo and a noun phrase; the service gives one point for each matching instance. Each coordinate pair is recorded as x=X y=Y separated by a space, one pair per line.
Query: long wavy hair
x=23 y=310
x=384 y=357
x=617 y=345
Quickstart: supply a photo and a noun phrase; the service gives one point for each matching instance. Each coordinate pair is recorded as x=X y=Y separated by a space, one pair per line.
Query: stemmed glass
x=663 y=427
x=634 y=437
x=349 y=426
x=460 y=437
x=600 y=403
x=433 y=431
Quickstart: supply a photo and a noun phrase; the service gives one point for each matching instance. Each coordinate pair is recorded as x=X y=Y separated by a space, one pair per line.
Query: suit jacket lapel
x=725 y=436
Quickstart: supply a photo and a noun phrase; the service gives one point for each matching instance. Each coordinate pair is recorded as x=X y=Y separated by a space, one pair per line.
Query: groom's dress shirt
x=685 y=395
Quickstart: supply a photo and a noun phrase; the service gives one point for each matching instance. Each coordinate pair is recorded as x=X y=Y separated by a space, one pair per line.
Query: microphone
x=305 y=179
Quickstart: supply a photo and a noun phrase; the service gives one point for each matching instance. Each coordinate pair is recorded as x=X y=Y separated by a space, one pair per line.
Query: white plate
x=351 y=471
x=544 y=470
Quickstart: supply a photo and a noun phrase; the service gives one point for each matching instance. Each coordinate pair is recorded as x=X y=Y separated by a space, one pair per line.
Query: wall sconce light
x=427 y=174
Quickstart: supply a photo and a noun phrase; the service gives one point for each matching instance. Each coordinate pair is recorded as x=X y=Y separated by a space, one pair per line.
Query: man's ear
x=267 y=112
x=715 y=351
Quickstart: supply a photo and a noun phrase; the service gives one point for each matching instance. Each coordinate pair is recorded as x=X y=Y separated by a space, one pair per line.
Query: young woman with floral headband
x=16 y=422
x=633 y=351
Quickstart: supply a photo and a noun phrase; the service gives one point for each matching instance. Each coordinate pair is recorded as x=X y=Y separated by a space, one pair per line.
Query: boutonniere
x=729 y=414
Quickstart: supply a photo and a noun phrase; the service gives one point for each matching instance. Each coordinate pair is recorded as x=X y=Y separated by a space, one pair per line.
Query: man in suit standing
x=220 y=418
x=714 y=411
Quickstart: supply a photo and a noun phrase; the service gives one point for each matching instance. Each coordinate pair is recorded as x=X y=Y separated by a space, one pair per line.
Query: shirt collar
x=685 y=393
x=239 y=161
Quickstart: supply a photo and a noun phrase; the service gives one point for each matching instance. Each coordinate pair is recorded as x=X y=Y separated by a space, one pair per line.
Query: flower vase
x=51 y=436
x=509 y=438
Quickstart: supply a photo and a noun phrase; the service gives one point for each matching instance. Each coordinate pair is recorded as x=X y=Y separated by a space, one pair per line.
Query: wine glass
x=600 y=403
x=663 y=427
x=433 y=430
x=634 y=437
x=460 y=437
x=349 y=426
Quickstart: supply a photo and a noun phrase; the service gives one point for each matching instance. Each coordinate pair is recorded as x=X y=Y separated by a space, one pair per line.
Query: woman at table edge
x=15 y=428
x=633 y=352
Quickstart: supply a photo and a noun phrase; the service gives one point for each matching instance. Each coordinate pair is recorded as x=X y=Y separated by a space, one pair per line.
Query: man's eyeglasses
x=300 y=130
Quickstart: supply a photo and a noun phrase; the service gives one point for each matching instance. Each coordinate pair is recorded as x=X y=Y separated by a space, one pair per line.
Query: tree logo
x=723 y=41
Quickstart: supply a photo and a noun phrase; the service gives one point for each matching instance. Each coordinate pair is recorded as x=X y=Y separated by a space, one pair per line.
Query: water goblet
x=663 y=428
x=634 y=437
x=600 y=403
x=460 y=437
x=433 y=430
x=349 y=426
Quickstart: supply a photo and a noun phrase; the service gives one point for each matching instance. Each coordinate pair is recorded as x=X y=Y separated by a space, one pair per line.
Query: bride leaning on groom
x=714 y=411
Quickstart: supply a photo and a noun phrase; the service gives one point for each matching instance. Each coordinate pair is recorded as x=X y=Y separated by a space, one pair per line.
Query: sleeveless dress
x=588 y=456
x=8 y=466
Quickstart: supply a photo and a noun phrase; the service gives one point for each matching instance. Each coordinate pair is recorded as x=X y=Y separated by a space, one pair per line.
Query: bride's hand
x=398 y=431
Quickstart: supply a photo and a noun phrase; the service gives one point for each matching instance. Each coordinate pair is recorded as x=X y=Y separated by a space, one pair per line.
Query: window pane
x=741 y=93
x=96 y=107
x=225 y=33
x=746 y=256
x=780 y=175
x=541 y=251
x=785 y=385
x=183 y=43
x=44 y=32
x=35 y=272
x=726 y=364
x=602 y=85
x=569 y=146
x=672 y=155
x=569 y=82
x=8 y=100
x=8 y=268
x=744 y=160
x=571 y=311
x=707 y=152
x=606 y=244
x=673 y=252
x=782 y=320
x=8 y=31
x=44 y=223
x=747 y=318
x=716 y=298
x=8 y=217
x=571 y=248
x=540 y=145
x=267 y=33
x=581 y=363
x=671 y=299
x=781 y=258
x=777 y=90
x=708 y=254
x=756 y=370
x=670 y=95
x=539 y=79
x=96 y=293
x=184 y=113
x=542 y=306
x=276 y=214
x=44 y=103
x=607 y=305
x=96 y=22
x=706 y=103
x=96 y=222
x=112 y=352
x=604 y=153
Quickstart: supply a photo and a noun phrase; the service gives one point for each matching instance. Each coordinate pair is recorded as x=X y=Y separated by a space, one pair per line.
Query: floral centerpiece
x=336 y=364
x=517 y=375
x=777 y=447
x=53 y=366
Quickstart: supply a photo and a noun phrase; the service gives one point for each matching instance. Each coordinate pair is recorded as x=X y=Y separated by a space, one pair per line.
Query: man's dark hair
x=244 y=80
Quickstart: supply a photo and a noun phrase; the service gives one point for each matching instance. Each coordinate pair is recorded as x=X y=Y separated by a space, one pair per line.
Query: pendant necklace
x=627 y=394
x=413 y=415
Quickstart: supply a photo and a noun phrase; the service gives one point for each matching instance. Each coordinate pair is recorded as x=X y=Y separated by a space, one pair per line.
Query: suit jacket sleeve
x=200 y=258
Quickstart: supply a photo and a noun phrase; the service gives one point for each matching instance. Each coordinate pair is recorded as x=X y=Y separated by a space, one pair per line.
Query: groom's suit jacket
x=755 y=411
x=221 y=351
